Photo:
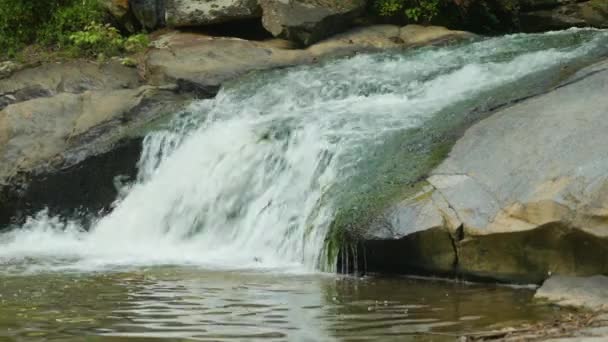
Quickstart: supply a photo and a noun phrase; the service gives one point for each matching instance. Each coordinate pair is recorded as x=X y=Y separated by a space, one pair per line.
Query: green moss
x=392 y=182
x=413 y=10
x=600 y=5
x=397 y=168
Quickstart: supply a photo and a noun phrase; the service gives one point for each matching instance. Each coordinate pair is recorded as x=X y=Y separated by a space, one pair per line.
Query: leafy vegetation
x=75 y=27
x=414 y=10
x=475 y=15
x=103 y=39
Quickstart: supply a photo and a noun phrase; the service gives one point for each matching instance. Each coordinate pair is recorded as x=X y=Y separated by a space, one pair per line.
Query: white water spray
x=244 y=180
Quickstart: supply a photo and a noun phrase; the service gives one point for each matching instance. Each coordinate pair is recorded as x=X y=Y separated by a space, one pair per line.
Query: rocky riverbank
x=67 y=129
x=521 y=195
x=306 y=21
x=588 y=322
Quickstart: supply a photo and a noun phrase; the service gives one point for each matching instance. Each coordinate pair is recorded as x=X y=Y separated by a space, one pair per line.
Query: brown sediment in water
x=577 y=325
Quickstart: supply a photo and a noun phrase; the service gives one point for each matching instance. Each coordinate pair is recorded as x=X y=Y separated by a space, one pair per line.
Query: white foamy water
x=245 y=180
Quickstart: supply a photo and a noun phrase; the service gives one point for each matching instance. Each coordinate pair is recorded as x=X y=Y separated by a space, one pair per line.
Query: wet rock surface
x=54 y=150
x=522 y=194
x=58 y=120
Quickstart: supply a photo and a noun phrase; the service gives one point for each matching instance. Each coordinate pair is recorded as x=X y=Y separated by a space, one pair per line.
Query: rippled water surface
x=180 y=303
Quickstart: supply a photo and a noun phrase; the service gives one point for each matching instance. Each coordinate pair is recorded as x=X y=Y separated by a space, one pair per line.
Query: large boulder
x=522 y=195
x=308 y=21
x=67 y=129
x=203 y=63
x=206 y=12
x=149 y=13
x=557 y=15
x=71 y=77
x=42 y=137
x=121 y=12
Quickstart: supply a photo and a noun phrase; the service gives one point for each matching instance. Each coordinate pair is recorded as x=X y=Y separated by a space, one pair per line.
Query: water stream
x=235 y=197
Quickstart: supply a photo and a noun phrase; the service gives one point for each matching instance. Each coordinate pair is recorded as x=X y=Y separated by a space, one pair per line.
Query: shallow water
x=178 y=303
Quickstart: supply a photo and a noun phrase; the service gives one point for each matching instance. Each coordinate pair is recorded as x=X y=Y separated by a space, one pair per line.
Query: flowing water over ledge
x=238 y=194
x=176 y=303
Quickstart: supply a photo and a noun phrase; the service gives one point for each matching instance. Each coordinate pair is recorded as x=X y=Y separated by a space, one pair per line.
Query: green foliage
x=19 y=20
x=24 y=22
x=73 y=17
x=103 y=39
x=136 y=43
x=414 y=10
x=476 y=15
x=75 y=27
x=97 y=39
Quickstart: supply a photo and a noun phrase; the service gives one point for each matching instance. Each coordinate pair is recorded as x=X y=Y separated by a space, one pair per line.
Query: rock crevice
x=528 y=186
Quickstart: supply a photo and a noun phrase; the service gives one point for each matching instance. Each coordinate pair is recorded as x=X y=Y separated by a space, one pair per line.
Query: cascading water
x=247 y=180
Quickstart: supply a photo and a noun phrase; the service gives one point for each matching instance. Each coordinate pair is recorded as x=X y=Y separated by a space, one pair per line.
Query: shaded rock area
x=308 y=21
x=521 y=195
x=305 y=22
x=57 y=121
x=48 y=147
x=149 y=13
x=76 y=192
x=548 y=15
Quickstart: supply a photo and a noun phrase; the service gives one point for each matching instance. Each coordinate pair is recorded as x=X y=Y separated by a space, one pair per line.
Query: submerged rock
x=308 y=21
x=590 y=293
x=522 y=195
x=206 y=12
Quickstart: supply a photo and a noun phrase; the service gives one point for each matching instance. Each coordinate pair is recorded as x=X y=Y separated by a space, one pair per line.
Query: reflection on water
x=186 y=303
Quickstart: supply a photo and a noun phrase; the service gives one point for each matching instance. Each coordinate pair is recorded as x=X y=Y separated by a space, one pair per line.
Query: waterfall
x=247 y=180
